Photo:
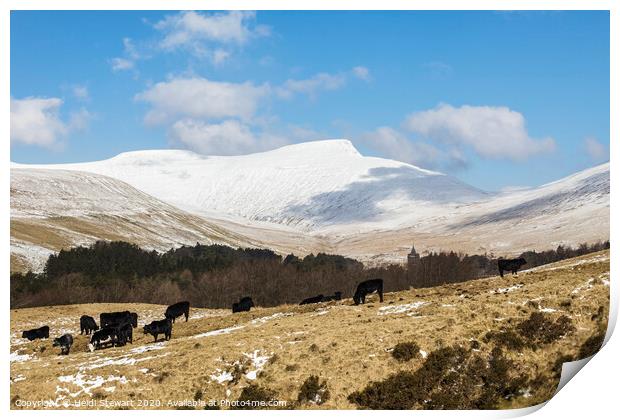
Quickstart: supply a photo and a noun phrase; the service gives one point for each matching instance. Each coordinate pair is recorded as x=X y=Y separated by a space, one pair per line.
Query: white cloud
x=219 y=56
x=392 y=144
x=229 y=137
x=120 y=64
x=362 y=73
x=595 y=149
x=80 y=92
x=201 y=98
x=130 y=56
x=493 y=132
x=192 y=30
x=312 y=85
x=36 y=121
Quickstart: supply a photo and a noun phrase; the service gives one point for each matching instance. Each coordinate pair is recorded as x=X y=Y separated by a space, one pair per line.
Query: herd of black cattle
x=116 y=328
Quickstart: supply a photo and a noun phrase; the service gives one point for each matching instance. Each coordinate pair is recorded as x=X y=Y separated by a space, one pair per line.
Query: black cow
x=87 y=325
x=336 y=296
x=366 y=287
x=124 y=333
x=159 y=327
x=41 y=332
x=314 y=299
x=104 y=336
x=110 y=318
x=510 y=265
x=243 y=305
x=176 y=310
x=64 y=342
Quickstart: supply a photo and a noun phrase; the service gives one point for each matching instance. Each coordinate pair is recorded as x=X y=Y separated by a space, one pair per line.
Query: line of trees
x=439 y=268
x=215 y=275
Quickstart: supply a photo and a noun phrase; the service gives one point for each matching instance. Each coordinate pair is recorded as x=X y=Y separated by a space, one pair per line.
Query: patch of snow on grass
x=398 y=309
x=15 y=357
x=148 y=347
x=508 y=289
x=270 y=317
x=18 y=378
x=218 y=332
x=258 y=362
x=86 y=384
x=320 y=312
x=221 y=376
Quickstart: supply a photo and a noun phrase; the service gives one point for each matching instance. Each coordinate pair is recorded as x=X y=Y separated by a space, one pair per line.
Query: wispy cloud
x=362 y=73
x=595 y=149
x=320 y=82
x=205 y=34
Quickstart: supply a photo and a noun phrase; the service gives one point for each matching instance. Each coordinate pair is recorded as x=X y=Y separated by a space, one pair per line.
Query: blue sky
x=498 y=99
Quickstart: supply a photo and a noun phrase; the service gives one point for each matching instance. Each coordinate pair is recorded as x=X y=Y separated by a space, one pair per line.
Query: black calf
x=64 y=342
x=159 y=327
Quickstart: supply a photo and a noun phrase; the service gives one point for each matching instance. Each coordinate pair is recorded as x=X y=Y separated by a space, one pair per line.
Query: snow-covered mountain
x=309 y=197
x=311 y=186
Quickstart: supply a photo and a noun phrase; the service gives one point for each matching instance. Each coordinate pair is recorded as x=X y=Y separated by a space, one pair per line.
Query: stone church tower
x=413 y=258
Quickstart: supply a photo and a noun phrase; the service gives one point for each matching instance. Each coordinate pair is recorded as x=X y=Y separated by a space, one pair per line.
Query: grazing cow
x=104 y=336
x=64 y=342
x=243 y=305
x=510 y=265
x=314 y=299
x=336 y=296
x=159 y=327
x=110 y=318
x=87 y=325
x=125 y=333
x=176 y=310
x=366 y=287
x=42 y=332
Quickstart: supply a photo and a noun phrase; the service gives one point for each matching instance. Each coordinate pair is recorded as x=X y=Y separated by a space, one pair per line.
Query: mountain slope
x=569 y=211
x=54 y=209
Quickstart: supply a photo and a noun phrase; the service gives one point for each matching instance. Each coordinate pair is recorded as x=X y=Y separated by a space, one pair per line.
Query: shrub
x=450 y=378
x=592 y=345
x=313 y=391
x=252 y=395
x=539 y=329
x=406 y=351
x=509 y=339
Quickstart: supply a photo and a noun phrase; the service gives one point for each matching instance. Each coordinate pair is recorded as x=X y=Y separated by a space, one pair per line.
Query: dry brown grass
x=347 y=346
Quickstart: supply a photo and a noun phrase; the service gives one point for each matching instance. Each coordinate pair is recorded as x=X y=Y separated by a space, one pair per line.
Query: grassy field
x=216 y=355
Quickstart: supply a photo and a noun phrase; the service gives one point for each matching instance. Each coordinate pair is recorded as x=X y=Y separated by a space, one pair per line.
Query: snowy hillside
x=52 y=209
x=310 y=185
